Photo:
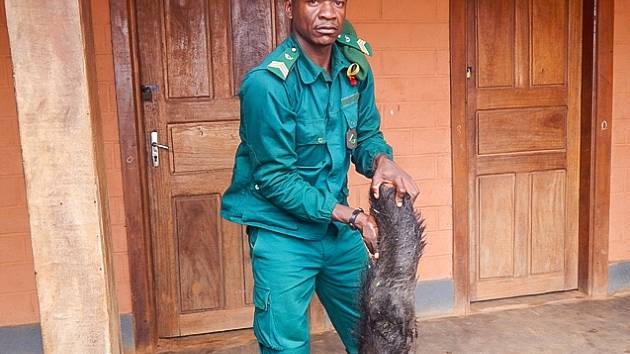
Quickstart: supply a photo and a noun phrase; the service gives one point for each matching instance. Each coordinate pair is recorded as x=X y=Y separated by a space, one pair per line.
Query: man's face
x=319 y=22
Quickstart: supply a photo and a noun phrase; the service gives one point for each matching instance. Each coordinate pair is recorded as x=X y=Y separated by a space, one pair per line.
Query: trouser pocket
x=264 y=322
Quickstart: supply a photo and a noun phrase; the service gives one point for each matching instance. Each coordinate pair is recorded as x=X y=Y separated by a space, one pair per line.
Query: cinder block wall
x=620 y=175
x=18 y=295
x=411 y=68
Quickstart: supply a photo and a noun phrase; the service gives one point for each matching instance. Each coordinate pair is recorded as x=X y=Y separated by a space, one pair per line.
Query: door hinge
x=468 y=72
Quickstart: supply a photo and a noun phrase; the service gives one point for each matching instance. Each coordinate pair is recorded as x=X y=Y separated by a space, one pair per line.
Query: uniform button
x=257 y=187
x=294 y=50
x=320 y=140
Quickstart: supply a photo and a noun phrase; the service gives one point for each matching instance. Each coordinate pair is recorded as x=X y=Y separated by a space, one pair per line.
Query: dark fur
x=388 y=321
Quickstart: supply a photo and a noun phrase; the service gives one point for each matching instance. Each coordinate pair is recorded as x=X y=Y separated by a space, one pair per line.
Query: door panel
x=523 y=114
x=206 y=146
x=249 y=44
x=496 y=226
x=549 y=42
x=548 y=221
x=196 y=58
x=187 y=65
x=504 y=131
x=201 y=278
x=496 y=43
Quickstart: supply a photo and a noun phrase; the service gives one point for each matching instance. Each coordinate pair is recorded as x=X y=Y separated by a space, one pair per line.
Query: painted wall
x=18 y=296
x=620 y=175
x=411 y=68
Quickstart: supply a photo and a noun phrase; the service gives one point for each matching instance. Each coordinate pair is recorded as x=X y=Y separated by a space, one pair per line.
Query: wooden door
x=523 y=132
x=194 y=53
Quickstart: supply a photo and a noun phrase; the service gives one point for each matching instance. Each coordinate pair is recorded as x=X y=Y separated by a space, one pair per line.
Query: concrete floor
x=594 y=326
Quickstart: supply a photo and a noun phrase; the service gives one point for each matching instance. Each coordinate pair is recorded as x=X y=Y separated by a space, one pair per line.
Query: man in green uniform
x=306 y=112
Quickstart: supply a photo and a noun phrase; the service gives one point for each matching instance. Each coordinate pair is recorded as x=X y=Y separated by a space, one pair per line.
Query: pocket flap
x=311 y=132
x=261 y=297
x=351 y=112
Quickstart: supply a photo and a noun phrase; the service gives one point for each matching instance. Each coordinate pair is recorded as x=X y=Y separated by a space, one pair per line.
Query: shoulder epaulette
x=282 y=64
x=355 y=42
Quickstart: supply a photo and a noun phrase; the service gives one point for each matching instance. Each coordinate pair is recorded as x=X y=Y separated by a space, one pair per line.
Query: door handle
x=155 y=149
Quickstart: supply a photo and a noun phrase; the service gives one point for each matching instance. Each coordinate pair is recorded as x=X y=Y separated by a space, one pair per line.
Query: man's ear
x=288 y=8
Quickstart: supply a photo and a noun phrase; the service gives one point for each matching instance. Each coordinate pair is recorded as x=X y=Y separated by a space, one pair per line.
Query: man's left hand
x=387 y=171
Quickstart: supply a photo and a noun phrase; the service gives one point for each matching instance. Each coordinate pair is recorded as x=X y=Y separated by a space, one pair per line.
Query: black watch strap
x=353 y=218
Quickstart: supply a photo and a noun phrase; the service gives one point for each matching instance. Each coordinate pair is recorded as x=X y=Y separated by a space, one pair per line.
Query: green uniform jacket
x=291 y=166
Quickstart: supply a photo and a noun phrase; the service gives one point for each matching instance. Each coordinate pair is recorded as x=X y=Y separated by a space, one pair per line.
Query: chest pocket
x=310 y=145
x=310 y=131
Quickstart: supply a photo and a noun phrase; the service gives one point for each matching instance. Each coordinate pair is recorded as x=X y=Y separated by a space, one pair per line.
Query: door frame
x=134 y=172
x=596 y=123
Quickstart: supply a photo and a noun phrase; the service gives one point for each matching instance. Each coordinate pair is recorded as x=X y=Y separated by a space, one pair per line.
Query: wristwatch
x=353 y=218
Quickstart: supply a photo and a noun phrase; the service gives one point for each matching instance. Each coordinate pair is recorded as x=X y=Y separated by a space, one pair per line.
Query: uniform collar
x=309 y=71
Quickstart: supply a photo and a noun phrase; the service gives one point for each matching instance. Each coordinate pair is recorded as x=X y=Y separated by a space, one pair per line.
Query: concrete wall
x=620 y=175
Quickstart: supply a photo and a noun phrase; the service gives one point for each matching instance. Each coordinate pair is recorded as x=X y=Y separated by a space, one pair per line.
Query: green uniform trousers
x=286 y=272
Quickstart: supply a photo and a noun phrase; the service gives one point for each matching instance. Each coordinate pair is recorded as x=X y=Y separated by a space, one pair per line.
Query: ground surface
x=595 y=326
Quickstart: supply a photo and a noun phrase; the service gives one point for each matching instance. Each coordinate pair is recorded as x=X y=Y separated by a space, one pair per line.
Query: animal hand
x=387 y=171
